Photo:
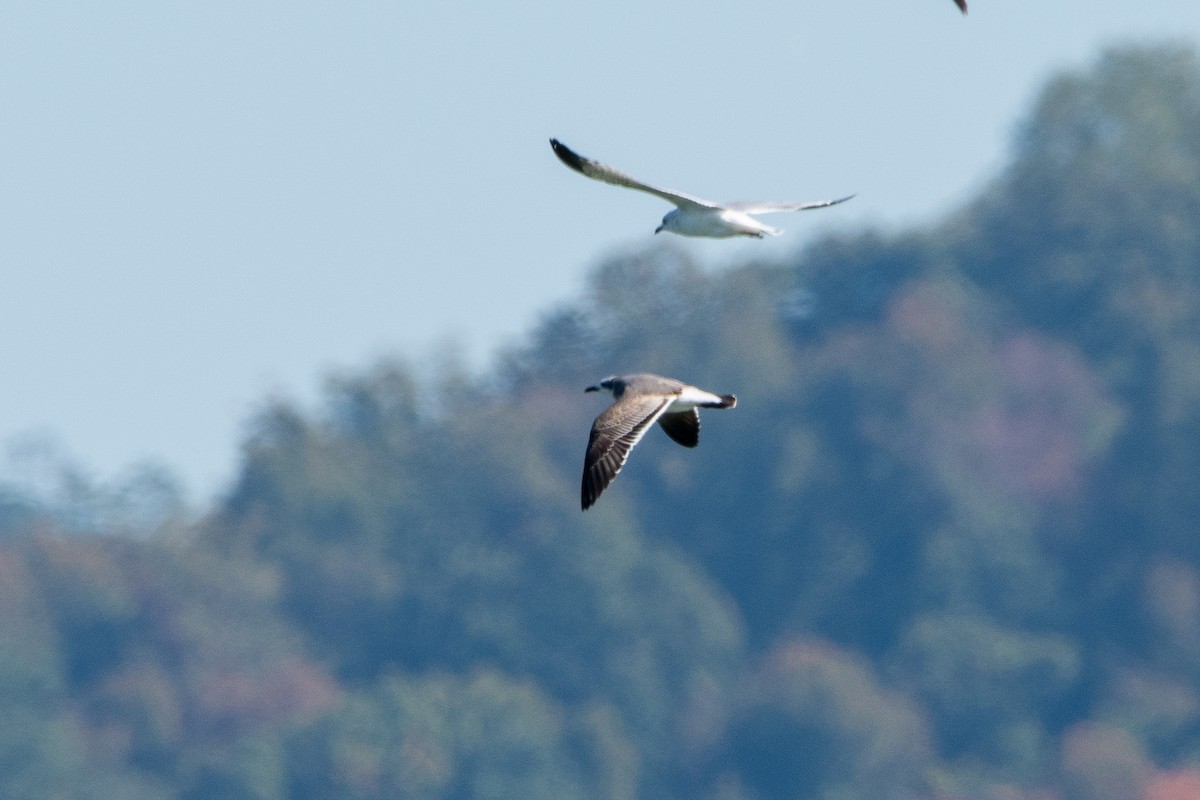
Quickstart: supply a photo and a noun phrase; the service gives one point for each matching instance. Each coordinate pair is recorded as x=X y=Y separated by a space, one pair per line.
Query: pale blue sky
x=205 y=205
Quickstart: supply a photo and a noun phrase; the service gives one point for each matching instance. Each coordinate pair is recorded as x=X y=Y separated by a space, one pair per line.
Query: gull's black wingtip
x=567 y=155
x=962 y=5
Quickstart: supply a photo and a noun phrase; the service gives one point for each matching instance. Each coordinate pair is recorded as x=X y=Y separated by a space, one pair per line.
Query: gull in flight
x=639 y=401
x=692 y=216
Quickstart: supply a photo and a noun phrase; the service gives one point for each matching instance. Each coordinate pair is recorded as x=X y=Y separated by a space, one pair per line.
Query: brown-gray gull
x=640 y=400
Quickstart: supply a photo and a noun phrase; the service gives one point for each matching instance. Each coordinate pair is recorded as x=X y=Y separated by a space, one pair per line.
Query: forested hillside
x=946 y=547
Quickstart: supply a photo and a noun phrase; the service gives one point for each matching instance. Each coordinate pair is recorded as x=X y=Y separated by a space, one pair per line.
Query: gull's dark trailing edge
x=639 y=401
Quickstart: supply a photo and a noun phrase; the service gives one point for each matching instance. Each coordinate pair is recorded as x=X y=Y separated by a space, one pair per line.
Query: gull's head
x=670 y=222
x=609 y=384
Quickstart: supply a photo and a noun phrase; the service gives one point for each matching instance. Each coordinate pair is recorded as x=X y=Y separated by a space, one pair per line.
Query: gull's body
x=639 y=401
x=693 y=216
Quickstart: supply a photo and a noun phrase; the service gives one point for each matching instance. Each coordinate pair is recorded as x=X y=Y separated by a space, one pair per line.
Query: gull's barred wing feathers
x=614 y=433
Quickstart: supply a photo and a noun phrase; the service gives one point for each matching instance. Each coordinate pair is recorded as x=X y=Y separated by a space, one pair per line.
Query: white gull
x=693 y=216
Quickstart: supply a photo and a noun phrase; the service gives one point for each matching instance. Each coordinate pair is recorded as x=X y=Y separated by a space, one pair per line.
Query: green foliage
x=992 y=690
x=1106 y=174
x=814 y=722
x=154 y=662
x=485 y=736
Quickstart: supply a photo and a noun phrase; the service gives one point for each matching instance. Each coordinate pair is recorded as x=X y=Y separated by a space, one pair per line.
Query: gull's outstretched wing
x=682 y=426
x=614 y=433
x=603 y=172
x=771 y=206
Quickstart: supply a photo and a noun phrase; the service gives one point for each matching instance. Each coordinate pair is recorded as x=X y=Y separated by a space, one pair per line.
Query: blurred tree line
x=947 y=547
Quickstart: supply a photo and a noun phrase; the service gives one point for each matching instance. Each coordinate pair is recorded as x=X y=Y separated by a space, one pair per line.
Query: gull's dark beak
x=591 y=389
x=659 y=229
